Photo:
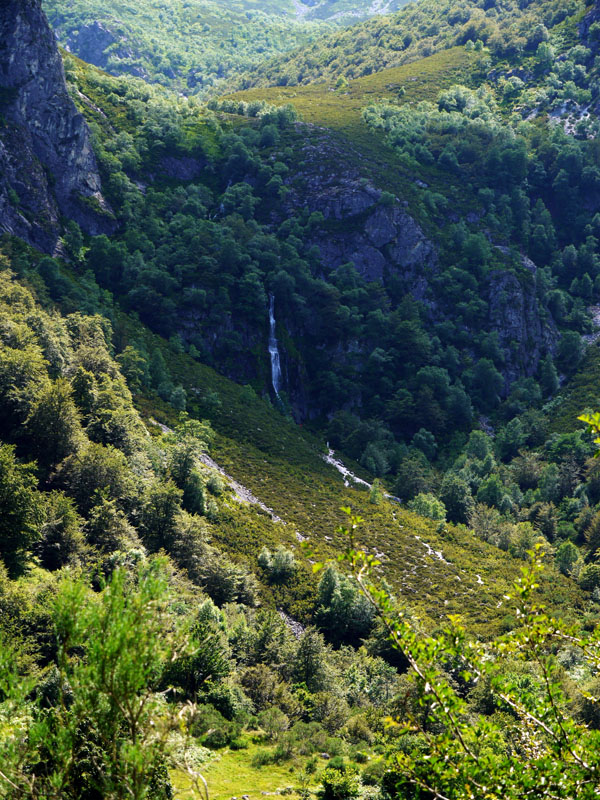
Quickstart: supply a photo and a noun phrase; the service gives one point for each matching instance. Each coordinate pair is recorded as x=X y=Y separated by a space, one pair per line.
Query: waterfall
x=274 y=349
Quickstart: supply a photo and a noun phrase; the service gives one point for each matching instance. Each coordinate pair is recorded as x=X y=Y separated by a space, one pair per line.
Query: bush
x=456 y=496
x=22 y=509
x=589 y=578
x=211 y=727
x=262 y=758
x=373 y=773
x=238 y=744
x=342 y=610
x=427 y=505
x=357 y=729
x=273 y=722
x=279 y=566
x=339 y=784
x=62 y=541
x=566 y=557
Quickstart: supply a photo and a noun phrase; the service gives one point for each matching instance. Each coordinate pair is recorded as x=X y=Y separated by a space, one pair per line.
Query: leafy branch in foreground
x=97 y=725
x=528 y=744
x=593 y=422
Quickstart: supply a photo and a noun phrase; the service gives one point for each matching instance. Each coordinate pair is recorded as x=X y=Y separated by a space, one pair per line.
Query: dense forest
x=379 y=259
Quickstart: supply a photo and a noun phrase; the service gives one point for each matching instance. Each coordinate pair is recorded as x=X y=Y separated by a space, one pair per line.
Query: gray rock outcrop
x=363 y=225
x=526 y=330
x=385 y=240
x=91 y=42
x=47 y=166
x=106 y=44
x=593 y=16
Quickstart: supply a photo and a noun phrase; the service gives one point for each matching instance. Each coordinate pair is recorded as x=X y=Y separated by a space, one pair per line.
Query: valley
x=197 y=47
x=299 y=378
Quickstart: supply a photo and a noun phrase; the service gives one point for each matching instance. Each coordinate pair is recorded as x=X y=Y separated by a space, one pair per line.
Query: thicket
x=504 y=718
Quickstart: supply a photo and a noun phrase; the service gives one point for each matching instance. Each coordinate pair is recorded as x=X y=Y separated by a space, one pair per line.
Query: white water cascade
x=274 y=348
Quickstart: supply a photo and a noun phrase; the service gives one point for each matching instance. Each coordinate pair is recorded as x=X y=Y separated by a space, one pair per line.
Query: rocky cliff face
x=363 y=225
x=525 y=328
x=97 y=42
x=91 y=42
x=47 y=167
x=376 y=233
x=590 y=36
x=591 y=39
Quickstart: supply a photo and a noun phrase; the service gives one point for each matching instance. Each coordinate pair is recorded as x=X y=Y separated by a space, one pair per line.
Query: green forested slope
x=110 y=486
x=191 y=47
x=194 y=47
x=455 y=164
x=92 y=486
x=419 y=381
x=508 y=28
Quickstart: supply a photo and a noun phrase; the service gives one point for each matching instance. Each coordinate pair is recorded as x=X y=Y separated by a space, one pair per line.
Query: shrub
x=211 y=727
x=342 y=610
x=589 y=578
x=273 y=722
x=427 y=505
x=373 y=773
x=339 y=784
x=62 y=541
x=456 y=496
x=566 y=557
x=22 y=509
x=279 y=566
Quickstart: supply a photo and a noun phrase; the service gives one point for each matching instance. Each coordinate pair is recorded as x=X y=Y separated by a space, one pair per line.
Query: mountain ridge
x=417 y=31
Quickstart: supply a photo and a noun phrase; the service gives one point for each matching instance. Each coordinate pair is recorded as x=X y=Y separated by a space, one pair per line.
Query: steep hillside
x=280 y=488
x=357 y=218
x=249 y=230
x=346 y=10
x=191 y=47
x=113 y=483
x=324 y=237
